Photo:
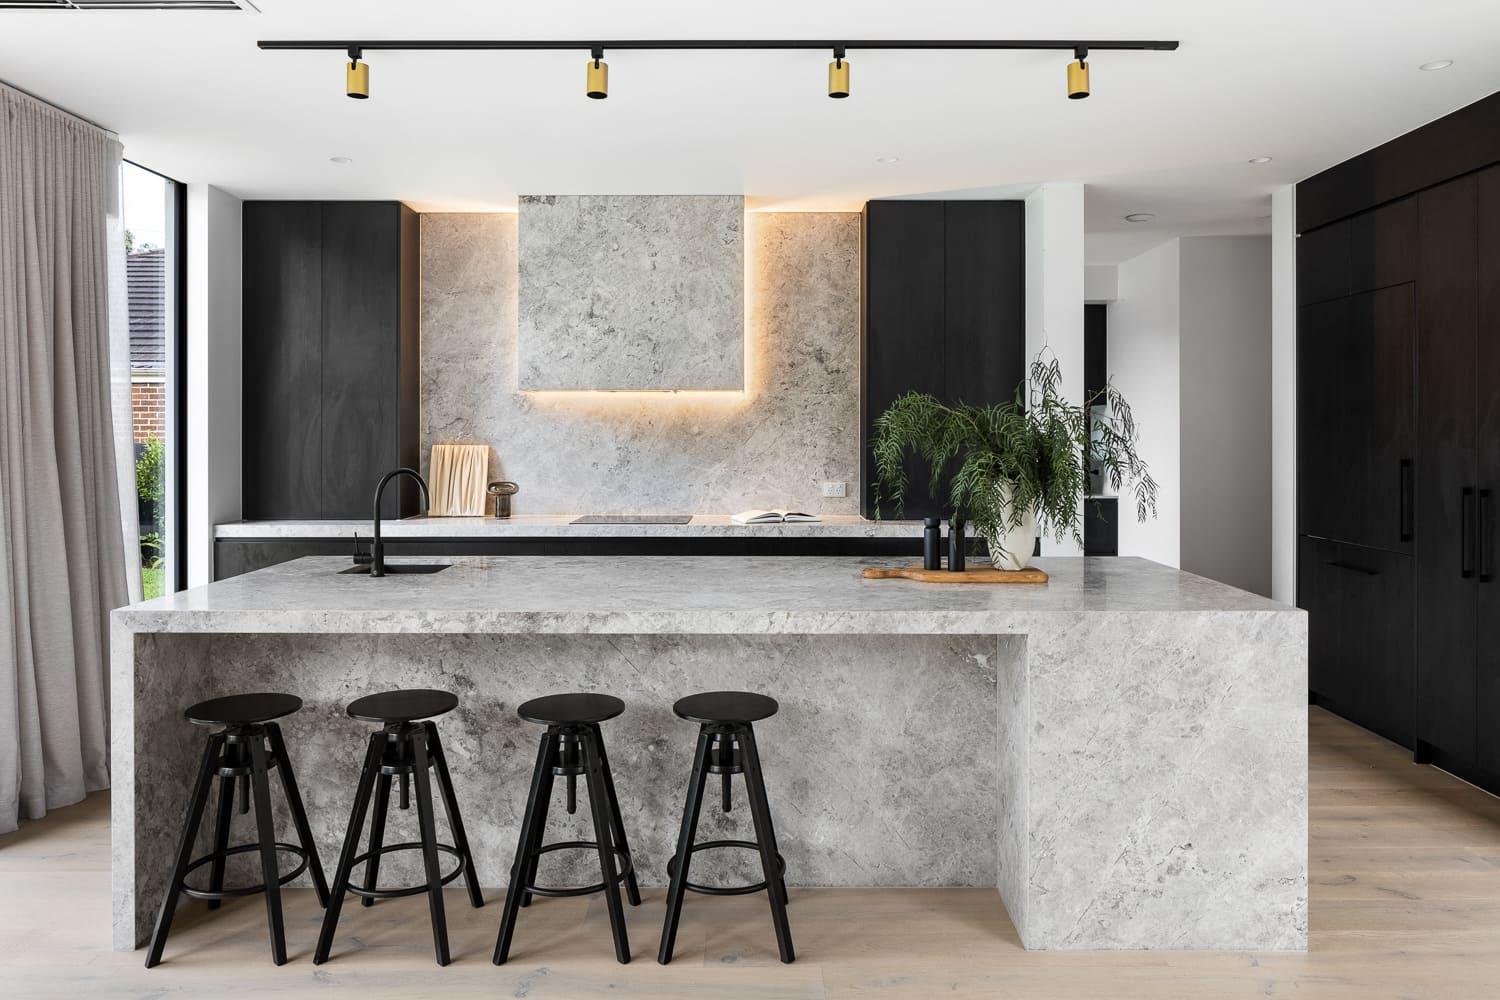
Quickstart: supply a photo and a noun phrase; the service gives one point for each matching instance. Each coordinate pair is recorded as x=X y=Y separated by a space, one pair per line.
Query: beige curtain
x=63 y=560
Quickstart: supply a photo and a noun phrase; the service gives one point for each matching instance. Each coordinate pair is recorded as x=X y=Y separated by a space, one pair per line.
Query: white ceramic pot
x=1011 y=548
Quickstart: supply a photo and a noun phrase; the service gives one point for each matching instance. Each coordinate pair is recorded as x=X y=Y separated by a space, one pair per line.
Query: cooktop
x=632 y=519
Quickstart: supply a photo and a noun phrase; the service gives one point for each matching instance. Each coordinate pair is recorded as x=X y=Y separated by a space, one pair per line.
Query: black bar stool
x=238 y=756
x=726 y=746
x=573 y=745
x=404 y=747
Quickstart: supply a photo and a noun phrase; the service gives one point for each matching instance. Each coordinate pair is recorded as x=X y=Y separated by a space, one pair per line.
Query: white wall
x=214 y=366
x=1054 y=295
x=1144 y=361
x=1225 y=368
x=1284 y=394
x=1101 y=283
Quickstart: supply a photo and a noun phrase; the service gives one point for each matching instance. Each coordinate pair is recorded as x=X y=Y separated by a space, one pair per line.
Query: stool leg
x=455 y=821
x=617 y=822
x=530 y=824
x=765 y=835
x=185 y=847
x=543 y=806
x=260 y=785
x=299 y=814
x=221 y=827
x=604 y=836
x=340 y=887
x=684 y=854
x=428 y=827
x=378 y=813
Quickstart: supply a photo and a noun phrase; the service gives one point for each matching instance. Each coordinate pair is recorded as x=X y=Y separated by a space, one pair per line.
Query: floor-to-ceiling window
x=153 y=210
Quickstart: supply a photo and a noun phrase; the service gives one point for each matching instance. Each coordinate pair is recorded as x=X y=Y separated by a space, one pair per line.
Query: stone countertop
x=662 y=594
x=560 y=526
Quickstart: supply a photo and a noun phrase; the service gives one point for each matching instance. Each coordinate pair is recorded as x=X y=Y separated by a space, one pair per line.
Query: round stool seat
x=713 y=707
x=402 y=706
x=571 y=709
x=243 y=709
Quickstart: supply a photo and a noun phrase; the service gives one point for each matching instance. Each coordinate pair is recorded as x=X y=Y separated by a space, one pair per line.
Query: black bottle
x=956 y=544
x=932 y=543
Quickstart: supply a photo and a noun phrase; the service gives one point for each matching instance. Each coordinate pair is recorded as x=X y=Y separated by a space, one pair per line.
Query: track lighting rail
x=478 y=45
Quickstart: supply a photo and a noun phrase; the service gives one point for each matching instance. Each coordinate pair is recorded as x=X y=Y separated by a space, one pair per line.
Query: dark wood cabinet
x=1446 y=496
x=1487 y=372
x=1359 y=633
x=282 y=321
x=1399 y=438
x=330 y=374
x=943 y=312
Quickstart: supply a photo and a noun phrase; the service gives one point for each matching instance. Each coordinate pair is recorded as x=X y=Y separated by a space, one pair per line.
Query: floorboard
x=1404 y=885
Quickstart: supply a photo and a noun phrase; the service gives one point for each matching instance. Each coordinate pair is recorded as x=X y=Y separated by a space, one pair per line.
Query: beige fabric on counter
x=460 y=473
x=63 y=561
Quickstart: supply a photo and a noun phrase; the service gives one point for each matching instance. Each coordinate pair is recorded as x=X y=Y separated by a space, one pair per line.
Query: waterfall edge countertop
x=1122 y=752
x=561 y=526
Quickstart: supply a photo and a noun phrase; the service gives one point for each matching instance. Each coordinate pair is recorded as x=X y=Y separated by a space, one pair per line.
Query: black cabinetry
x=330 y=388
x=1399 y=439
x=943 y=312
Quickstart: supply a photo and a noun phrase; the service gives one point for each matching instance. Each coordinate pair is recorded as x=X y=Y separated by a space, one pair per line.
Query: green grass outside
x=151 y=582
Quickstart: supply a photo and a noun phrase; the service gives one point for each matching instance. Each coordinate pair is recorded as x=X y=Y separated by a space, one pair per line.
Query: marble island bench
x=1122 y=752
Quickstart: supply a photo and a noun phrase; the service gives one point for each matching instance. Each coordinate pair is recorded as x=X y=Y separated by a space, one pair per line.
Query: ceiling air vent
x=226 y=5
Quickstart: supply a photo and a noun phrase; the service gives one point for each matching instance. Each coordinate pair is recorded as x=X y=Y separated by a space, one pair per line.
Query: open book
x=771 y=516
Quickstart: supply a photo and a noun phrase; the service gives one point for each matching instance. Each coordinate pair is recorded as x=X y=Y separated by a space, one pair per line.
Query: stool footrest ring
x=572 y=845
x=727 y=890
x=405 y=890
x=249 y=890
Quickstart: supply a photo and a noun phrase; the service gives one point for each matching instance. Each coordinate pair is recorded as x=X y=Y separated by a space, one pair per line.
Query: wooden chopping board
x=972 y=574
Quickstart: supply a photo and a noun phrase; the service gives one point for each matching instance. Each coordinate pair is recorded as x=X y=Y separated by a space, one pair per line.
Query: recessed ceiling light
x=1436 y=64
x=1140 y=217
x=886 y=161
x=1260 y=159
x=342 y=161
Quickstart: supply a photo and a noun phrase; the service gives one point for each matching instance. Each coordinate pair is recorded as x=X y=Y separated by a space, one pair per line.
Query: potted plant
x=1020 y=462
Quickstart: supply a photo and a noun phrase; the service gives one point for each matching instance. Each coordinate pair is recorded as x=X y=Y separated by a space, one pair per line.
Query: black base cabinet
x=1359 y=634
x=1399 y=441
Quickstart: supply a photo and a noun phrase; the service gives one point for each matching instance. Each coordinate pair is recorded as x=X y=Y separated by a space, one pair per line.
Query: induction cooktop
x=632 y=519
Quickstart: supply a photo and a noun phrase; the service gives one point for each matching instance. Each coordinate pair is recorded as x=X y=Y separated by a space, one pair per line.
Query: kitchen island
x=1122 y=751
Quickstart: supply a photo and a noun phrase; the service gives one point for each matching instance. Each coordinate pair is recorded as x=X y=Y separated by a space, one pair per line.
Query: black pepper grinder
x=956 y=544
x=932 y=543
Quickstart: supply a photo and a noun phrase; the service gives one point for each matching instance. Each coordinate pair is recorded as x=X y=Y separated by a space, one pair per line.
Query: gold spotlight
x=357 y=77
x=838 y=75
x=598 y=77
x=1078 y=75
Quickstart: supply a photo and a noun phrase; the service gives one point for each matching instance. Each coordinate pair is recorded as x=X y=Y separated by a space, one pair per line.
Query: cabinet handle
x=1337 y=564
x=1483 y=536
x=1466 y=532
x=1406 y=506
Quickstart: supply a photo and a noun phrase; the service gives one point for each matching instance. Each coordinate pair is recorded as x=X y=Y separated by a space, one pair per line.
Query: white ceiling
x=1309 y=82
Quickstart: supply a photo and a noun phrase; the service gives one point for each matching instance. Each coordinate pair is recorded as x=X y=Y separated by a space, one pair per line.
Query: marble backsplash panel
x=795 y=426
x=632 y=292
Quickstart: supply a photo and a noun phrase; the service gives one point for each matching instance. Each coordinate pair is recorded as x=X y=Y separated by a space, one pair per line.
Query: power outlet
x=833 y=489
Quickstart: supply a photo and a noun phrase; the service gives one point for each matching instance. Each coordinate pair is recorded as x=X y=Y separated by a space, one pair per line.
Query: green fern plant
x=1034 y=447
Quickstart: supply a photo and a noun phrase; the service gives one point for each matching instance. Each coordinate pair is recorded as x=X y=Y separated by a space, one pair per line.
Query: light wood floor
x=1405 y=866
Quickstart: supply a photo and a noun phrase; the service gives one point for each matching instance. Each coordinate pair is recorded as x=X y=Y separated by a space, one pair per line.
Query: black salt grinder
x=932 y=543
x=956 y=544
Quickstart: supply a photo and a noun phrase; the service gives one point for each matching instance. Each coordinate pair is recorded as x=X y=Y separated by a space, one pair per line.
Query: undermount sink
x=397 y=569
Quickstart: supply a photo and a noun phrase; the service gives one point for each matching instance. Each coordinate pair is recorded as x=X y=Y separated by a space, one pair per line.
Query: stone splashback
x=794 y=426
x=632 y=292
